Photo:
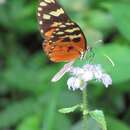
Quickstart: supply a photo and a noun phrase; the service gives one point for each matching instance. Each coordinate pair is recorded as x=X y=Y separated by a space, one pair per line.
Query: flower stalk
x=80 y=78
x=85 y=109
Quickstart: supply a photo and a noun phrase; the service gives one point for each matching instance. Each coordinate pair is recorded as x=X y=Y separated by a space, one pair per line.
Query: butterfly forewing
x=50 y=14
x=64 y=40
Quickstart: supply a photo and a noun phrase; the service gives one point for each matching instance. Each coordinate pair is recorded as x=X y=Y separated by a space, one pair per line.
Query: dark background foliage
x=28 y=99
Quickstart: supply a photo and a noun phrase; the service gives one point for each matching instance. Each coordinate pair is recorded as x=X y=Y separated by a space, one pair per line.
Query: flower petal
x=87 y=75
x=106 y=79
x=73 y=83
x=76 y=71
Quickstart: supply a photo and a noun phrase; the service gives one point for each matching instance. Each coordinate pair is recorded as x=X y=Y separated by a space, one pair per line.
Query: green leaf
x=113 y=123
x=30 y=123
x=91 y=125
x=101 y=20
x=23 y=79
x=69 y=109
x=22 y=15
x=67 y=98
x=121 y=16
x=60 y=121
x=99 y=117
x=119 y=54
x=17 y=111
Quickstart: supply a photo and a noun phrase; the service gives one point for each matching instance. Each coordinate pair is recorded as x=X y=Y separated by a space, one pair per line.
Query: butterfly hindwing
x=67 y=42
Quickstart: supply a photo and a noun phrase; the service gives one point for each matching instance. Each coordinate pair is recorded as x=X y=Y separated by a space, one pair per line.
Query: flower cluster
x=80 y=76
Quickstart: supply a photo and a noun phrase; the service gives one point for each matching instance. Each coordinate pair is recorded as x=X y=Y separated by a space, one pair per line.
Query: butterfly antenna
x=110 y=60
x=98 y=41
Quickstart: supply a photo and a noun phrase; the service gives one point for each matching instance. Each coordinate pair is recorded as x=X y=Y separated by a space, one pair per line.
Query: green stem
x=85 y=109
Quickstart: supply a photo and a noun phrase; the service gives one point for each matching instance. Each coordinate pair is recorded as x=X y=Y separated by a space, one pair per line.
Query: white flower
x=88 y=67
x=87 y=75
x=81 y=76
x=75 y=83
x=98 y=71
x=106 y=79
x=76 y=71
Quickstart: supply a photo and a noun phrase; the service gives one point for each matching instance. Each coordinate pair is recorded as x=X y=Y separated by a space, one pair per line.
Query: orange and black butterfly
x=64 y=40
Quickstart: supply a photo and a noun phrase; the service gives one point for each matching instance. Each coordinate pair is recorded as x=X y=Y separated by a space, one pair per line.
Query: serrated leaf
x=69 y=109
x=98 y=116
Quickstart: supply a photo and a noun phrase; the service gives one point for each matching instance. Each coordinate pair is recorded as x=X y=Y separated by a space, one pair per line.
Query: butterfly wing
x=50 y=15
x=64 y=40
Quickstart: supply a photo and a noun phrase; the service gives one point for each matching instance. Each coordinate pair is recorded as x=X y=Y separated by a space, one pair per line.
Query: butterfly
x=64 y=40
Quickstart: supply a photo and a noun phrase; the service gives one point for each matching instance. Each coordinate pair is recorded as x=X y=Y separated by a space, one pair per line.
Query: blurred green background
x=28 y=99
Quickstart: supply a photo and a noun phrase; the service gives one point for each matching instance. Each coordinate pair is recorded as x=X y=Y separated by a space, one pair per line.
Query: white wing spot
x=60 y=33
x=40 y=22
x=57 y=13
x=62 y=26
x=42 y=31
x=52 y=36
x=69 y=23
x=55 y=24
x=72 y=30
x=49 y=1
x=43 y=4
x=46 y=16
x=39 y=9
x=39 y=14
x=57 y=29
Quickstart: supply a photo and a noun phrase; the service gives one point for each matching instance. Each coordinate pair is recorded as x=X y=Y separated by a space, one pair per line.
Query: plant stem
x=85 y=109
